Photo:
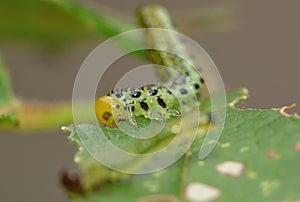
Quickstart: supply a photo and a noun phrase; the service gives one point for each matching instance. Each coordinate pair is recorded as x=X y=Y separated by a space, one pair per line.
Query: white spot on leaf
x=198 y=192
x=231 y=168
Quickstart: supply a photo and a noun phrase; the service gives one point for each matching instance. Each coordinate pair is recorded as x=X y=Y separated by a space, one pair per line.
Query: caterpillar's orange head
x=109 y=110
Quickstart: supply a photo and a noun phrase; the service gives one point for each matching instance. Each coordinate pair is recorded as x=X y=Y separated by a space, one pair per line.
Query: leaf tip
x=243 y=94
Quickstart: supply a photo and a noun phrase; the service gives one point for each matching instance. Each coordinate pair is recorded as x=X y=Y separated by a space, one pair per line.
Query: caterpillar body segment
x=184 y=84
x=140 y=101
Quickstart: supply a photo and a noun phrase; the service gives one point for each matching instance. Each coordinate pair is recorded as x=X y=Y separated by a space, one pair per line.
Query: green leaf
x=104 y=23
x=9 y=120
x=56 y=22
x=264 y=143
x=94 y=173
x=254 y=160
x=7 y=116
x=39 y=22
x=216 y=18
x=101 y=22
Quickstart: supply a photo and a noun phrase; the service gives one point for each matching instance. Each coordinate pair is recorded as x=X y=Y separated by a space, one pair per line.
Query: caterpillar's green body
x=183 y=85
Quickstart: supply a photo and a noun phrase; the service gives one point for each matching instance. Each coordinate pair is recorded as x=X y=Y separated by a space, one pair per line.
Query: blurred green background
x=43 y=45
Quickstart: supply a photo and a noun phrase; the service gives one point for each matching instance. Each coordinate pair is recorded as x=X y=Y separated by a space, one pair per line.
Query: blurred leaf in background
x=7 y=115
x=39 y=22
x=58 y=22
x=6 y=95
